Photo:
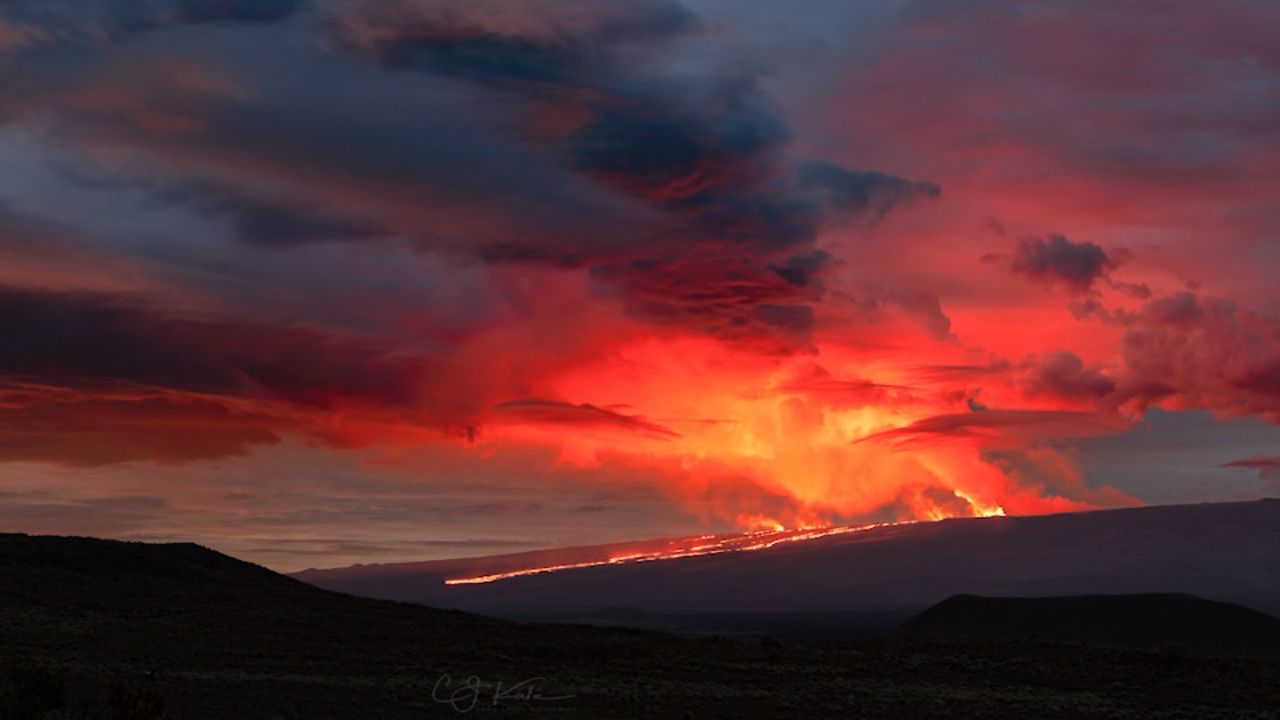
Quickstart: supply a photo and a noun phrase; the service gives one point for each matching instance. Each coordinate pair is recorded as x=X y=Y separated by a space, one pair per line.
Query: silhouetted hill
x=101 y=630
x=1152 y=621
x=1227 y=551
x=40 y=569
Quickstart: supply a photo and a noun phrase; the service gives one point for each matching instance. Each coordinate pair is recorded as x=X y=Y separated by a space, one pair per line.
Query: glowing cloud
x=639 y=243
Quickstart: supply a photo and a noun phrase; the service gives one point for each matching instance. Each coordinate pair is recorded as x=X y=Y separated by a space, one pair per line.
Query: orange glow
x=682 y=548
x=823 y=437
x=598 y=280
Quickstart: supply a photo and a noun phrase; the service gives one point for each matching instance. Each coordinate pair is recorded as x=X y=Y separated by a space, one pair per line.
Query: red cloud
x=641 y=229
x=551 y=412
x=1267 y=467
x=1003 y=427
x=106 y=426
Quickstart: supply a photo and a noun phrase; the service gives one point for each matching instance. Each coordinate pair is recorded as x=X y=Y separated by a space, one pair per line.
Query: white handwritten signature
x=466 y=696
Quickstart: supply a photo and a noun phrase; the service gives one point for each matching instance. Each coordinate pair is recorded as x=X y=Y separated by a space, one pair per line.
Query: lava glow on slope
x=688 y=547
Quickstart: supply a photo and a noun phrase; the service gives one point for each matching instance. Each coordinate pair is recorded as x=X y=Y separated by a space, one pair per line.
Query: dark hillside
x=100 y=630
x=1143 y=622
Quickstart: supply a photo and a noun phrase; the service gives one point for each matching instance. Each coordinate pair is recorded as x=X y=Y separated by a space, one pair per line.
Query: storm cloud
x=678 y=190
x=1078 y=265
x=770 y=267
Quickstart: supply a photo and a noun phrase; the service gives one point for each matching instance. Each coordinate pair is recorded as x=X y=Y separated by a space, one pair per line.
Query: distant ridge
x=1223 y=551
x=1141 y=622
x=71 y=572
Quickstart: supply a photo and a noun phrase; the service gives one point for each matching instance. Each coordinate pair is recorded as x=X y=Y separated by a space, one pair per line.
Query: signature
x=468 y=694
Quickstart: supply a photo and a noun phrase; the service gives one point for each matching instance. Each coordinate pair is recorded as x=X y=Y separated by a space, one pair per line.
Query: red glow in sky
x=400 y=279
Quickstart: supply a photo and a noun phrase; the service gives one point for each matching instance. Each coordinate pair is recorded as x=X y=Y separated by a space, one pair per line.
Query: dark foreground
x=96 y=629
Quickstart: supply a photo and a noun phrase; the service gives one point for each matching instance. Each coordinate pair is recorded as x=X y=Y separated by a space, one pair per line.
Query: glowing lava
x=687 y=547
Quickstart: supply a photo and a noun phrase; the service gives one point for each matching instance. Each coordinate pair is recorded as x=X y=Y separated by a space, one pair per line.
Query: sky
x=318 y=282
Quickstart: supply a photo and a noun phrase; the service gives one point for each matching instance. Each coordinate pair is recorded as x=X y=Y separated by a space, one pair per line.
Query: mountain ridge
x=1223 y=551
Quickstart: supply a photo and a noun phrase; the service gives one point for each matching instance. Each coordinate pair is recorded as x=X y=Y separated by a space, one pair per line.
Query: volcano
x=1226 y=551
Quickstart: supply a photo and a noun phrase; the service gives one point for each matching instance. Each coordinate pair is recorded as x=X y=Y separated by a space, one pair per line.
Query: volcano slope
x=1226 y=551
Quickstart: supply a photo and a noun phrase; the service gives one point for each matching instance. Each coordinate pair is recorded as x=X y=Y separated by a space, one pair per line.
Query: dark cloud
x=712 y=153
x=706 y=152
x=267 y=224
x=927 y=309
x=873 y=303
x=1134 y=290
x=684 y=143
x=792 y=320
x=805 y=270
x=1057 y=259
x=1268 y=467
x=992 y=425
x=255 y=218
x=1181 y=311
x=848 y=192
x=1034 y=467
x=495 y=41
x=1261 y=378
x=205 y=11
x=1063 y=375
x=676 y=190
x=84 y=340
x=17 y=227
x=224 y=117
x=732 y=298
x=95 y=21
x=533 y=411
x=262 y=220
x=1201 y=352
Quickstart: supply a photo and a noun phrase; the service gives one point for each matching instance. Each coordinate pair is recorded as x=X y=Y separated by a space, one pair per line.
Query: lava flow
x=685 y=547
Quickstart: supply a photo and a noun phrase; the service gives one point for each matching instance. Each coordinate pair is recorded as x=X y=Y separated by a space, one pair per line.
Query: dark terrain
x=1184 y=622
x=101 y=629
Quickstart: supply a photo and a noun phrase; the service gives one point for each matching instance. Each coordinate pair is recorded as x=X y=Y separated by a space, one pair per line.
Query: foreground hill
x=1180 y=622
x=97 y=629
x=1228 y=551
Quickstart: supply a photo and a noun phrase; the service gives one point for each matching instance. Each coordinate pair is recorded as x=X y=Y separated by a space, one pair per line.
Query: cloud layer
x=873 y=261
